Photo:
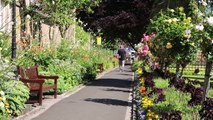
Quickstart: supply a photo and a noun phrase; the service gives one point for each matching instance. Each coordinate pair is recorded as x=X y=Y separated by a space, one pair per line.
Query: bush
x=16 y=94
x=70 y=74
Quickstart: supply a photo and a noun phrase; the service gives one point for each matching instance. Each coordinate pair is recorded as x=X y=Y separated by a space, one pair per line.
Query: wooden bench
x=100 y=67
x=30 y=77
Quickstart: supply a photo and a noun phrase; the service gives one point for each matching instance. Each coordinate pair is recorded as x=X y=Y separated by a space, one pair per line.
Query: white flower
x=200 y=14
x=1 y=93
x=7 y=61
x=172 y=10
x=204 y=3
x=1 y=104
x=187 y=32
x=210 y=20
x=174 y=19
x=28 y=16
x=0 y=48
x=199 y=27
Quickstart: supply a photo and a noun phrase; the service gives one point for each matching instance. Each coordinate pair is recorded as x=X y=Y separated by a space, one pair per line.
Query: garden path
x=106 y=98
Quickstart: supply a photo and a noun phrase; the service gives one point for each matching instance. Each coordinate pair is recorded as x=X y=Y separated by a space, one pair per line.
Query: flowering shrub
x=202 y=32
x=143 y=48
x=13 y=93
x=16 y=94
x=4 y=106
x=172 y=42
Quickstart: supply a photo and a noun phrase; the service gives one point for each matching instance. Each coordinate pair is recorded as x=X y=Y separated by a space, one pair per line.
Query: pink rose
x=146 y=47
x=145 y=53
x=146 y=37
x=140 y=50
x=152 y=35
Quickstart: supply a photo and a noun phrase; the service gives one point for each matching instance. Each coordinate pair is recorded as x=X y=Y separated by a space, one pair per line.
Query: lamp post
x=13 y=55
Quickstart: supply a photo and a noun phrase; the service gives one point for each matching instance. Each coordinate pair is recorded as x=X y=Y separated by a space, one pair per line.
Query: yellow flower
x=181 y=9
x=0 y=98
x=146 y=102
x=189 y=19
x=140 y=71
x=168 y=20
x=150 y=44
x=9 y=111
x=172 y=10
x=142 y=80
x=156 y=116
x=168 y=45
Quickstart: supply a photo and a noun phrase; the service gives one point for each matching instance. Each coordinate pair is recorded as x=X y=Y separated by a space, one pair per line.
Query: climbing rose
x=199 y=27
x=145 y=53
x=152 y=35
x=146 y=47
x=210 y=20
x=146 y=37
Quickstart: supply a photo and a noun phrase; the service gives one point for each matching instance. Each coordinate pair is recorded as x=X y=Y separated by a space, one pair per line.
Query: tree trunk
x=63 y=30
x=177 y=69
x=39 y=32
x=181 y=74
x=207 y=78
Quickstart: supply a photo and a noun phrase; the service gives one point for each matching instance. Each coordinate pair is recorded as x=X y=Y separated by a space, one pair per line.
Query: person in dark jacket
x=121 y=57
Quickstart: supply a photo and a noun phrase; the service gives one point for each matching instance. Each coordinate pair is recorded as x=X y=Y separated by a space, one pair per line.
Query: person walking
x=121 y=57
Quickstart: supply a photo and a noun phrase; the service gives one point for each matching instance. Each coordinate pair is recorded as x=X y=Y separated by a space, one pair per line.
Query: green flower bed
x=168 y=97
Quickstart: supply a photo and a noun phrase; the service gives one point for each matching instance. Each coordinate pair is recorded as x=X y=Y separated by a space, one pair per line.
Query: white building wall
x=5 y=17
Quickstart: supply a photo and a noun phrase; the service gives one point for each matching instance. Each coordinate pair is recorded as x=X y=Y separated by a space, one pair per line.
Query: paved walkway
x=103 y=99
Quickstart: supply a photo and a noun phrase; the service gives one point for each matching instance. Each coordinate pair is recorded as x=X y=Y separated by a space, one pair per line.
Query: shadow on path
x=110 y=82
x=108 y=101
x=117 y=90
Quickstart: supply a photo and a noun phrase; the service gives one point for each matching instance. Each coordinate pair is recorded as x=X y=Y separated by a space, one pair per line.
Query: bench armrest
x=40 y=81
x=48 y=77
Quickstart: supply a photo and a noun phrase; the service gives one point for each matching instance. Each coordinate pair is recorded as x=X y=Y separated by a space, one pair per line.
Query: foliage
x=4 y=45
x=177 y=97
x=16 y=94
x=90 y=58
x=5 y=111
x=136 y=65
x=36 y=55
x=59 y=12
x=176 y=101
x=124 y=19
x=64 y=50
x=203 y=30
x=161 y=83
x=70 y=74
x=207 y=110
x=83 y=37
x=173 y=31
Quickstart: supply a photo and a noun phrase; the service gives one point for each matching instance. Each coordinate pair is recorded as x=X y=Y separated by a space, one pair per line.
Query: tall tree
x=124 y=19
x=53 y=12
